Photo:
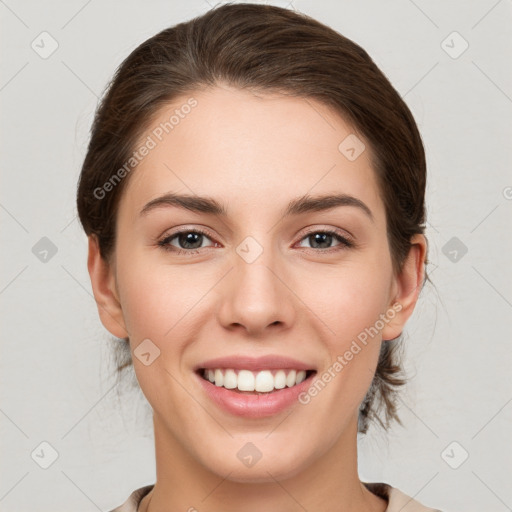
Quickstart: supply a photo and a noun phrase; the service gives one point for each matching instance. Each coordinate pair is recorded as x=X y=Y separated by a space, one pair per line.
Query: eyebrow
x=297 y=206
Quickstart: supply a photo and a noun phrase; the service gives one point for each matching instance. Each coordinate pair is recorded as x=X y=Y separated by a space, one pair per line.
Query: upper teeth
x=246 y=380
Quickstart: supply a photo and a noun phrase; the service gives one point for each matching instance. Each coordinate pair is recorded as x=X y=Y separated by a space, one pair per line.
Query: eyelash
x=164 y=243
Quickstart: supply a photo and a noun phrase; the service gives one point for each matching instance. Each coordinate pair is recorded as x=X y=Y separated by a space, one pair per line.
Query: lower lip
x=254 y=406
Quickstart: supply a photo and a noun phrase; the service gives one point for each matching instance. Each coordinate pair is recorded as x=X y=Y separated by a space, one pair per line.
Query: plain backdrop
x=451 y=63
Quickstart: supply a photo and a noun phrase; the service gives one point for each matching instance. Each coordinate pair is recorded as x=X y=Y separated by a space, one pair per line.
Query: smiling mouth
x=250 y=382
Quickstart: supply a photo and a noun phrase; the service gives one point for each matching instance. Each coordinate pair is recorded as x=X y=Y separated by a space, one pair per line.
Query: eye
x=323 y=240
x=188 y=241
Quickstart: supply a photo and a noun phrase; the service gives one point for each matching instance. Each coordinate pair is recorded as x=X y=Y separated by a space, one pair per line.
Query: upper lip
x=268 y=362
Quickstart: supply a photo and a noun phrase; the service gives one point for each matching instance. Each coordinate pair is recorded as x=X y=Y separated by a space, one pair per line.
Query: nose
x=256 y=297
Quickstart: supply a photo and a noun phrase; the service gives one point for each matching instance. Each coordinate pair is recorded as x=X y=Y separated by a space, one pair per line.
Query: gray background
x=56 y=380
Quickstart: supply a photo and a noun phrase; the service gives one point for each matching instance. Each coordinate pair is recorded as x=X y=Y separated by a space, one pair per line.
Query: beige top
x=397 y=500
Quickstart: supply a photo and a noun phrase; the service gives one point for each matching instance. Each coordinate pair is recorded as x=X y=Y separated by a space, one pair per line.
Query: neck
x=330 y=483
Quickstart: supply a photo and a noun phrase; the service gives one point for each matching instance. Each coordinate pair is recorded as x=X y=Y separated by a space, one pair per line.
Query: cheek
x=349 y=302
x=160 y=303
x=348 y=299
x=157 y=300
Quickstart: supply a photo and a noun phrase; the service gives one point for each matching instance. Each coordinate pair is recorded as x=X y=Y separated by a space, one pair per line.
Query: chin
x=278 y=466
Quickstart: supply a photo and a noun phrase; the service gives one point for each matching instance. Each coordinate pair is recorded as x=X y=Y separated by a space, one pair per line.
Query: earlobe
x=408 y=286
x=104 y=290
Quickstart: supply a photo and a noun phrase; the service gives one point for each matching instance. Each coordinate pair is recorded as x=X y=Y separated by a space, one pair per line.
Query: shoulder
x=397 y=500
x=132 y=503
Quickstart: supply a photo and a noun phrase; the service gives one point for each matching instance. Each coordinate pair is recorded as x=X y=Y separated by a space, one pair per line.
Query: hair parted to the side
x=264 y=48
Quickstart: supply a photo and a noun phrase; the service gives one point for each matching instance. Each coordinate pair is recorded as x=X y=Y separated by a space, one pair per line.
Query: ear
x=407 y=286
x=105 y=292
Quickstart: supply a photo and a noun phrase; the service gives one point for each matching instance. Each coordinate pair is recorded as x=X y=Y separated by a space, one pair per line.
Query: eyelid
x=185 y=229
x=321 y=228
x=344 y=240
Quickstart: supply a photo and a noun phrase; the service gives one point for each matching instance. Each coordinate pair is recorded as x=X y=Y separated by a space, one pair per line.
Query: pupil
x=188 y=239
x=321 y=238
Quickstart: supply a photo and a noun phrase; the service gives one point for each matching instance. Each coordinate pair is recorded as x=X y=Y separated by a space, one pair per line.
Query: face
x=267 y=290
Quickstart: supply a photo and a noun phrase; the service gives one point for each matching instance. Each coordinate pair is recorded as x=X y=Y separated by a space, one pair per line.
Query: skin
x=254 y=153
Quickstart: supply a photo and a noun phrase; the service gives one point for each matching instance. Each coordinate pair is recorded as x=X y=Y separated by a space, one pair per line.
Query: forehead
x=252 y=149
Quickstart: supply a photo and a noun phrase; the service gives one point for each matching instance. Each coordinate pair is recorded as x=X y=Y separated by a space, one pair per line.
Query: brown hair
x=264 y=48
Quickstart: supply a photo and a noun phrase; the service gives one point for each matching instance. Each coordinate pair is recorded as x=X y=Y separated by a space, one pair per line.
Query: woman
x=253 y=194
